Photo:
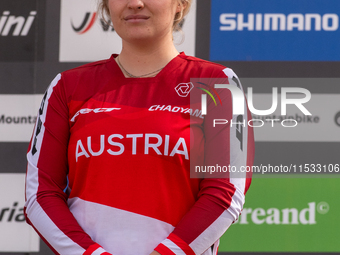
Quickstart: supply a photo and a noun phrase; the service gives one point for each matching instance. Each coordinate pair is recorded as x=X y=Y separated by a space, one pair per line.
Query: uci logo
x=183 y=89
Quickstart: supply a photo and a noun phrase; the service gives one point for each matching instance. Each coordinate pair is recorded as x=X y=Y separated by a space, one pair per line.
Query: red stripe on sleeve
x=181 y=244
x=91 y=249
x=162 y=249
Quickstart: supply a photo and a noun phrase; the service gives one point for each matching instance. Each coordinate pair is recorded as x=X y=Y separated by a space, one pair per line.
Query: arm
x=46 y=179
x=221 y=198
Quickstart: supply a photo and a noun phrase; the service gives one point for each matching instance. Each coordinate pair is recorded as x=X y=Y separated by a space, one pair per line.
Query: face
x=138 y=20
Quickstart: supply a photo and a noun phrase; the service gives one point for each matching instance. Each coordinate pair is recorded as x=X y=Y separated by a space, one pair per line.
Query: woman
x=110 y=158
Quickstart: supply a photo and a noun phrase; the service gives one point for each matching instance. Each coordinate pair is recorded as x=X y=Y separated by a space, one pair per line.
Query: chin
x=139 y=37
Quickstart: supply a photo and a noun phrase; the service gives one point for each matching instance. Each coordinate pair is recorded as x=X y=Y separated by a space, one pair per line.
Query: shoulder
x=87 y=79
x=89 y=68
x=209 y=69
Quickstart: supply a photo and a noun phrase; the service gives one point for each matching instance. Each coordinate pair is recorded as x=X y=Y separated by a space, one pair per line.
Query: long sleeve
x=220 y=200
x=46 y=206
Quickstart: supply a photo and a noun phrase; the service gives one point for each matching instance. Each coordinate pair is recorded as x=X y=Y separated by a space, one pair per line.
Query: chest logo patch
x=183 y=89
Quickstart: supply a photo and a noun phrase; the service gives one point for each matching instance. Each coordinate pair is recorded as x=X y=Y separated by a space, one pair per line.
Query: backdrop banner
x=284 y=30
x=287 y=215
x=15 y=234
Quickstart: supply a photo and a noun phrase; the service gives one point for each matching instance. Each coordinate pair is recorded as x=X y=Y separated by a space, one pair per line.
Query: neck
x=140 y=59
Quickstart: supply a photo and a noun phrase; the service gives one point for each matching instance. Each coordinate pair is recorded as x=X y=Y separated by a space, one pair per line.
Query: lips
x=136 y=17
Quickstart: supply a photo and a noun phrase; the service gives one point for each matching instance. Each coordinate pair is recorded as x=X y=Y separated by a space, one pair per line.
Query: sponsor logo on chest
x=170 y=108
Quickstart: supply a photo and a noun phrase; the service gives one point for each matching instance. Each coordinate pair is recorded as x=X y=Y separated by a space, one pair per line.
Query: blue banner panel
x=280 y=30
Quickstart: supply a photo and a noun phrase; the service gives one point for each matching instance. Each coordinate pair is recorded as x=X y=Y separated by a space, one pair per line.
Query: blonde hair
x=104 y=12
x=180 y=15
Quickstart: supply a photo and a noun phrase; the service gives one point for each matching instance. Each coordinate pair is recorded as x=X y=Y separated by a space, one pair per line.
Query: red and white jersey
x=109 y=161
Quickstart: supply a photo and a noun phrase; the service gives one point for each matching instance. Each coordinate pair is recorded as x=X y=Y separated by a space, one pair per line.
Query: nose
x=135 y=4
